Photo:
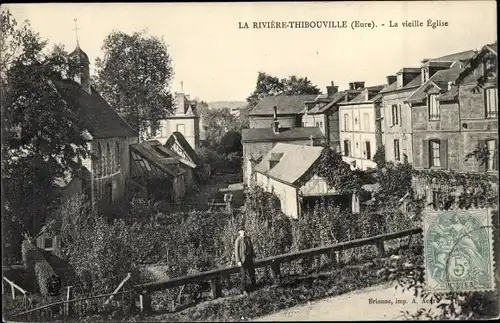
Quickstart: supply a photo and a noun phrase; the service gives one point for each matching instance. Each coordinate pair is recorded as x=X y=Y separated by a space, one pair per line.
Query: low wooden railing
x=13 y=287
x=143 y=291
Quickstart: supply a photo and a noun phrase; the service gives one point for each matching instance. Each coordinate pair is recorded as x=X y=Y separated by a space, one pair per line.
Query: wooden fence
x=143 y=292
x=13 y=287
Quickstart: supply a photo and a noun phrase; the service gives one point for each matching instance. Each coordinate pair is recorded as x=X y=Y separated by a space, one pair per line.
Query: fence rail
x=143 y=291
x=13 y=287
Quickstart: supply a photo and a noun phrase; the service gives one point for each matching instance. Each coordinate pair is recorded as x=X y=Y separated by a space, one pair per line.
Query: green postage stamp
x=458 y=248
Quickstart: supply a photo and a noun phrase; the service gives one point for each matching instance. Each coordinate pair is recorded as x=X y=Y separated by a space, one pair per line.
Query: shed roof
x=296 y=160
x=285 y=104
x=146 y=151
x=181 y=140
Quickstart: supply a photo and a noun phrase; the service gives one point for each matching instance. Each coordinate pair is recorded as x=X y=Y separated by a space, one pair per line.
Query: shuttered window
x=433 y=104
x=346 y=147
x=368 y=150
x=395 y=114
x=397 y=152
x=434 y=149
x=491 y=99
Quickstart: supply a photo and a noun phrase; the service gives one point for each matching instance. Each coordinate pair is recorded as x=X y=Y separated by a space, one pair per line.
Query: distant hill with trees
x=226 y=104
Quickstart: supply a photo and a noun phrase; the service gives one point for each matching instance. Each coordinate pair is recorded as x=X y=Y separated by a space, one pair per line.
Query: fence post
x=69 y=296
x=380 y=248
x=276 y=272
x=216 y=287
x=145 y=301
x=13 y=290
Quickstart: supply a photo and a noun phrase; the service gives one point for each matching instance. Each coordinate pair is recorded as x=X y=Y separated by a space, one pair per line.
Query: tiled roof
x=296 y=160
x=286 y=104
x=393 y=87
x=101 y=120
x=463 y=56
x=267 y=134
x=374 y=95
x=439 y=79
x=179 y=137
x=170 y=153
x=336 y=98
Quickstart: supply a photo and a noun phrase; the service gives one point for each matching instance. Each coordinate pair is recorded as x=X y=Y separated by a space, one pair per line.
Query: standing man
x=244 y=254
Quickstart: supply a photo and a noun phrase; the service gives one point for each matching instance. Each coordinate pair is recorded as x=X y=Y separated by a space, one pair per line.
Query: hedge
x=48 y=281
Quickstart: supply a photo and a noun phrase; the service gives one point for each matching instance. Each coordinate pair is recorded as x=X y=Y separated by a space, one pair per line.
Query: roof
x=493 y=48
x=181 y=140
x=478 y=55
x=334 y=99
x=462 y=56
x=267 y=134
x=440 y=80
x=410 y=85
x=146 y=151
x=296 y=160
x=286 y=104
x=373 y=95
x=101 y=120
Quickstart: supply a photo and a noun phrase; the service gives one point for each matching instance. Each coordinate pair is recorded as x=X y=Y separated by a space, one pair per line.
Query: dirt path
x=354 y=306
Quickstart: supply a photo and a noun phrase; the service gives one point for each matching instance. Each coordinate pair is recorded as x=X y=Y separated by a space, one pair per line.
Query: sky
x=217 y=61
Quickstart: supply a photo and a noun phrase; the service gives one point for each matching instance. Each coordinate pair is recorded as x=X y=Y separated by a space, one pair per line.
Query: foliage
x=218 y=122
x=231 y=143
x=268 y=85
x=395 y=180
x=337 y=173
x=379 y=157
x=133 y=77
x=42 y=138
x=31 y=255
x=220 y=162
x=48 y=280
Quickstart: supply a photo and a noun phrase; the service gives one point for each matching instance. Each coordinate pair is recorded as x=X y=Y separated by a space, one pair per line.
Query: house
x=257 y=142
x=396 y=112
x=455 y=112
x=287 y=171
x=322 y=112
x=105 y=174
x=185 y=120
x=179 y=144
x=288 y=108
x=360 y=131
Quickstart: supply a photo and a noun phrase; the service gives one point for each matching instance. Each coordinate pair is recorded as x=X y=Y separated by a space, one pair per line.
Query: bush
x=31 y=254
x=49 y=282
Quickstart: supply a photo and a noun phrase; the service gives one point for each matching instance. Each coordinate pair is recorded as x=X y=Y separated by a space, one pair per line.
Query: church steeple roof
x=80 y=54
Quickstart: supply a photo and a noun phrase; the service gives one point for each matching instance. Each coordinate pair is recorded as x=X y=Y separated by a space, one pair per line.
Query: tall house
x=396 y=115
x=360 y=131
x=185 y=120
x=288 y=108
x=322 y=112
x=456 y=112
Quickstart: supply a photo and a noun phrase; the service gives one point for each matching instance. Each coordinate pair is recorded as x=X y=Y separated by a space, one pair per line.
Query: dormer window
x=433 y=105
x=490 y=68
x=425 y=74
x=400 y=80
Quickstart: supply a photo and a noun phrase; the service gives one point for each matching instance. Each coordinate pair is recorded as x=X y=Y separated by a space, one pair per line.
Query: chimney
x=391 y=79
x=275 y=113
x=180 y=103
x=331 y=89
x=356 y=85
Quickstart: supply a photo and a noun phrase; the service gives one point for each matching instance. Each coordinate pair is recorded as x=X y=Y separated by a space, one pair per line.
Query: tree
x=268 y=85
x=134 y=77
x=218 y=123
x=42 y=137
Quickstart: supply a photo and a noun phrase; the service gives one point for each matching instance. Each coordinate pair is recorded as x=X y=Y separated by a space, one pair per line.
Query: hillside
x=226 y=104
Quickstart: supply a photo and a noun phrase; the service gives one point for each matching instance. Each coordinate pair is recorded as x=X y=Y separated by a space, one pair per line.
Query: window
x=346 y=122
x=346 y=147
x=395 y=114
x=397 y=154
x=491 y=98
x=491 y=144
x=434 y=153
x=366 y=122
x=433 y=105
x=180 y=128
x=319 y=124
x=99 y=159
x=47 y=243
x=108 y=161
x=368 y=150
x=117 y=155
